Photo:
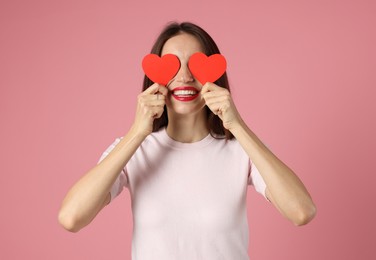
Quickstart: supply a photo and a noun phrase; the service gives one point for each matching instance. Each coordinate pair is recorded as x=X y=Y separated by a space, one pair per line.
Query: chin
x=186 y=109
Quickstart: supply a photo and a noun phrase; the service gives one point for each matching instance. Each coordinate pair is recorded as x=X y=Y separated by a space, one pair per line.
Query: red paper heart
x=160 y=69
x=207 y=69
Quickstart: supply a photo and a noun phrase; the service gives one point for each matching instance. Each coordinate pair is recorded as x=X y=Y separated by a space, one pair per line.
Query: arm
x=283 y=187
x=92 y=192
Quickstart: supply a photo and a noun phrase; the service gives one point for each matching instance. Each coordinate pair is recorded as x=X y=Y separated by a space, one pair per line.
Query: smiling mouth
x=185 y=93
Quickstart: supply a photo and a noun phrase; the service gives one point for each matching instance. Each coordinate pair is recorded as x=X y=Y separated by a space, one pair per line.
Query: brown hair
x=214 y=123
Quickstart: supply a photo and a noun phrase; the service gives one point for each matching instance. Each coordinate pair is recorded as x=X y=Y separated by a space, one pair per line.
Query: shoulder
x=232 y=147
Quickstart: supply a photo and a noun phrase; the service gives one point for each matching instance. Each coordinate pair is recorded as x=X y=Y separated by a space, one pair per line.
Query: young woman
x=187 y=161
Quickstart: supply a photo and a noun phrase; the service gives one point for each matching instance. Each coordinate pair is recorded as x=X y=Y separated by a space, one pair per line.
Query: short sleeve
x=256 y=180
x=122 y=179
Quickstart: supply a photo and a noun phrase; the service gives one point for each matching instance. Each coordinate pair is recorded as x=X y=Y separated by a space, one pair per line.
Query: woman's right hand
x=150 y=105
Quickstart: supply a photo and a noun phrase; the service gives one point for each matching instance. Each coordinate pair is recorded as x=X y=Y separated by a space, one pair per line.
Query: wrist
x=135 y=133
x=236 y=127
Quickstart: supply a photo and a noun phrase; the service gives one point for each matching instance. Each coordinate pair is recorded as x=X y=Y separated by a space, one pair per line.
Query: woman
x=187 y=161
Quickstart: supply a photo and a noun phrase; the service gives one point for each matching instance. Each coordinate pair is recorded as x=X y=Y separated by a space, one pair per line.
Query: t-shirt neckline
x=179 y=145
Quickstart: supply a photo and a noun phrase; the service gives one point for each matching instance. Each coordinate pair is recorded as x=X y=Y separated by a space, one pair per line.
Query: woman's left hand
x=219 y=101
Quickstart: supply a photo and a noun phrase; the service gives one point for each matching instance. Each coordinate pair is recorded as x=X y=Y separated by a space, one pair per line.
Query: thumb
x=153 y=88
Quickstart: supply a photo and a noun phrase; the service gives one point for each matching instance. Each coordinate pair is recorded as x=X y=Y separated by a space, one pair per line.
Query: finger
x=158 y=112
x=215 y=109
x=152 y=100
x=157 y=102
x=147 y=101
x=216 y=99
x=218 y=108
x=155 y=112
x=216 y=93
x=158 y=96
x=153 y=89
x=214 y=106
x=163 y=91
x=208 y=87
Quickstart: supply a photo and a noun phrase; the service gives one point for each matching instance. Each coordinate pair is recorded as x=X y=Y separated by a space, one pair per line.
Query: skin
x=187 y=123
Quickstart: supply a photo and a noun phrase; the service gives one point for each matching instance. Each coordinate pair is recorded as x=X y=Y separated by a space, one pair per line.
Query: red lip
x=185 y=98
x=185 y=88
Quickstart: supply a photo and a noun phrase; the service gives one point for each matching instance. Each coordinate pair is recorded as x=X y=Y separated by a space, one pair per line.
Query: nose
x=184 y=75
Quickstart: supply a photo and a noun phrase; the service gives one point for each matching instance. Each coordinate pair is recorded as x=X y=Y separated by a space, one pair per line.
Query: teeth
x=184 y=92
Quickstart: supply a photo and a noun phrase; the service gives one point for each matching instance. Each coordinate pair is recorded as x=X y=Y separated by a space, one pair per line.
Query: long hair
x=214 y=123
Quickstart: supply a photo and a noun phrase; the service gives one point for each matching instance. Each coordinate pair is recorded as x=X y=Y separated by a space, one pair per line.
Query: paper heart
x=160 y=69
x=207 y=69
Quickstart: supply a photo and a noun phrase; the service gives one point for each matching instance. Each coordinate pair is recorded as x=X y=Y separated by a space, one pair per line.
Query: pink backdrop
x=303 y=77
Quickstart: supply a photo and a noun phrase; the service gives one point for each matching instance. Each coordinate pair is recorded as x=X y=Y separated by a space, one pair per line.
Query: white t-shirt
x=188 y=199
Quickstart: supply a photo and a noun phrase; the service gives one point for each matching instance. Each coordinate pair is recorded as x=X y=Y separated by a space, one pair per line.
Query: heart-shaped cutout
x=207 y=69
x=160 y=69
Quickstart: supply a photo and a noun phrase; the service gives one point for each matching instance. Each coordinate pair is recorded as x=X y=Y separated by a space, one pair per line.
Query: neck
x=187 y=128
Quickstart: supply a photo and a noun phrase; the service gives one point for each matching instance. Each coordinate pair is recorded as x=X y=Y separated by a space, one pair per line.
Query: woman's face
x=184 y=90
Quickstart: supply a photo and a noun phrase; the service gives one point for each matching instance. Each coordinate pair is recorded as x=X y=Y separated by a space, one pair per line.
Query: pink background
x=303 y=77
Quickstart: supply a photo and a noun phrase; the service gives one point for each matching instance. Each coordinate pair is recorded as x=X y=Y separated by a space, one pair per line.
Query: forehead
x=182 y=45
